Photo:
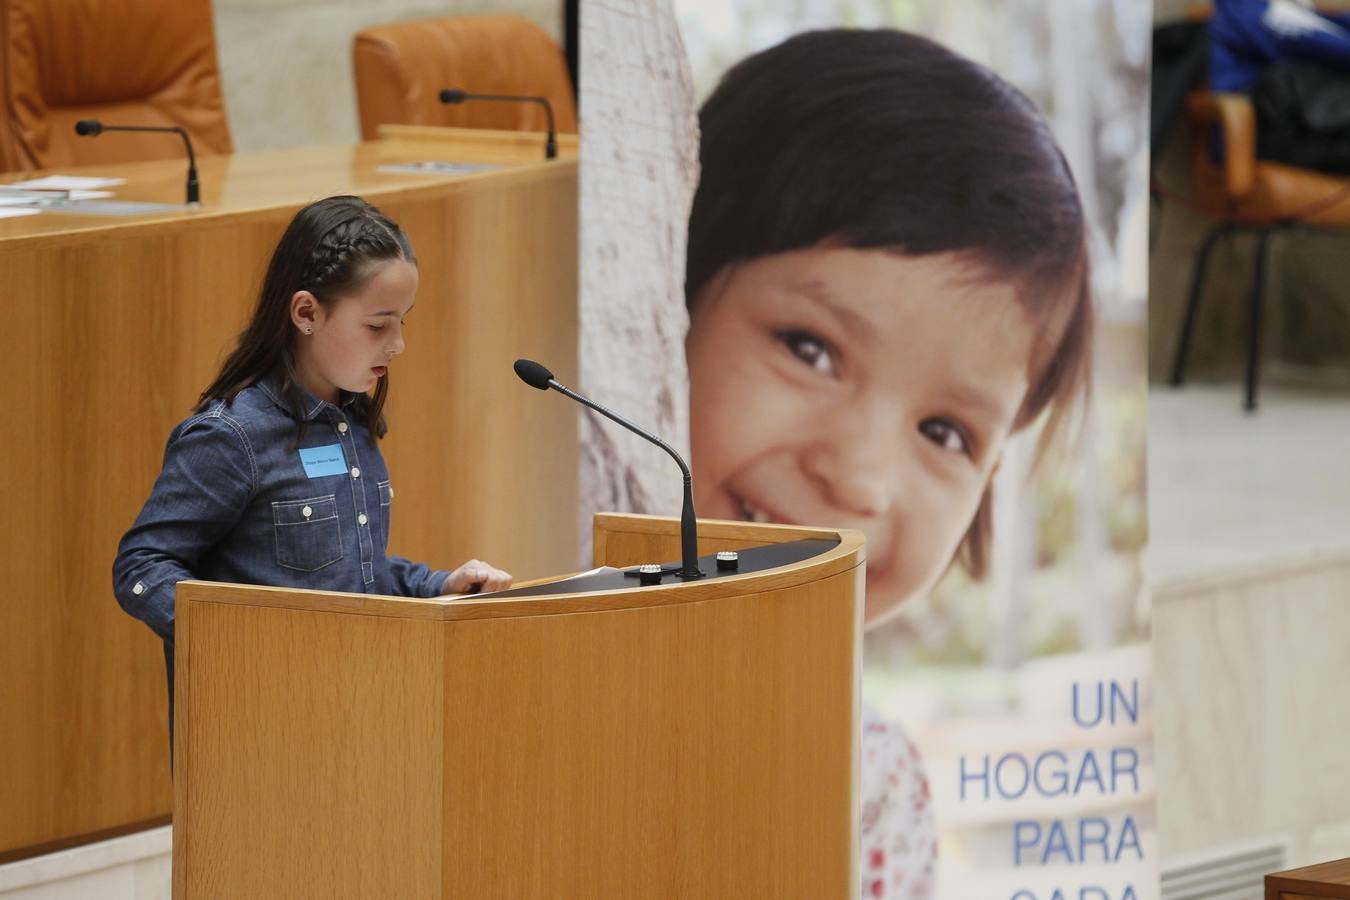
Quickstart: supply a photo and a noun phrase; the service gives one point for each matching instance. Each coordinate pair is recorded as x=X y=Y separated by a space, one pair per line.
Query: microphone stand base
x=653 y=578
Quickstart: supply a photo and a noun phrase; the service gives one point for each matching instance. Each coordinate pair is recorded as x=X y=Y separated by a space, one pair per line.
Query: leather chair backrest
x=126 y=62
x=402 y=68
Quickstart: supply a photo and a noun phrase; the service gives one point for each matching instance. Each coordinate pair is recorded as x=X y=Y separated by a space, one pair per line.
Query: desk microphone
x=454 y=95
x=535 y=375
x=93 y=128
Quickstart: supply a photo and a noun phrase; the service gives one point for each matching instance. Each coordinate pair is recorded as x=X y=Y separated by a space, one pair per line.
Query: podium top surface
x=804 y=555
x=749 y=561
x=246 y=184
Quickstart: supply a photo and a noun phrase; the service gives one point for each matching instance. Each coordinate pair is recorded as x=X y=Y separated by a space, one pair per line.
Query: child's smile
x=857 y=388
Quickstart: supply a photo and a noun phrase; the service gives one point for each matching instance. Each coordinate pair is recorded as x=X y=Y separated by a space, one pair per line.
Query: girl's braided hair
x=329 y=249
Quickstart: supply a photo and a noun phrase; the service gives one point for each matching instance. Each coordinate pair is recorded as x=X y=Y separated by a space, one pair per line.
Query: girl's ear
x=306 y=313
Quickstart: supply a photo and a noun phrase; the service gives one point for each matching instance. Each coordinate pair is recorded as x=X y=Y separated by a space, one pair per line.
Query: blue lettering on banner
x=1087 y=892
x=1112 y=704
x=322 y=461
x=1059 y=844
x=1050 y=774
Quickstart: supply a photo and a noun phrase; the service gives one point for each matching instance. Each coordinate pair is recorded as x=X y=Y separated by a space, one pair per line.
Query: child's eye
x=946 y=434
x=810 y=349
x=375 y=327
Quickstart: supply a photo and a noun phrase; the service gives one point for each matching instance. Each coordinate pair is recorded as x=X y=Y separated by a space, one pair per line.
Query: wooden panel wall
x=114 y=331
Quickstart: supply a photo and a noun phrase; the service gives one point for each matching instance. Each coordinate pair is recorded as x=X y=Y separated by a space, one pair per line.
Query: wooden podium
x=681 y=740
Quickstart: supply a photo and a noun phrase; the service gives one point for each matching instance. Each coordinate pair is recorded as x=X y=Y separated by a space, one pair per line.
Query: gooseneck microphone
x=93 y=128
x=536 y=376
x=454 y=95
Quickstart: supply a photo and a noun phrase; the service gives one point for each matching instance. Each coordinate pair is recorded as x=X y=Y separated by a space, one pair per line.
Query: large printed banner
x=908 y=274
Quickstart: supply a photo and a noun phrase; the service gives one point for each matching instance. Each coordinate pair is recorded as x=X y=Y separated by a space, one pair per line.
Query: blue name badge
x=321 y=461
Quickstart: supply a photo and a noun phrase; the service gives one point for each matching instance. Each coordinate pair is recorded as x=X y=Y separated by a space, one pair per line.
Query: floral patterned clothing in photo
x=899 y=833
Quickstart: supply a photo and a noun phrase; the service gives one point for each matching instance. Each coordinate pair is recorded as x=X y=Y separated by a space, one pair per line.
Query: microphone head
x=88 y=127
x=533 y=374
x=453 y=95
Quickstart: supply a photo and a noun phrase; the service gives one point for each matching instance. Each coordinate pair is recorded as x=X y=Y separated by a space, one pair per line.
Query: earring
x=308 y=330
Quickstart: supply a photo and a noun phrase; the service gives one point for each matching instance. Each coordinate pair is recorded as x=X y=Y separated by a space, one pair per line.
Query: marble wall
x=132 y=867
x=1252 y=709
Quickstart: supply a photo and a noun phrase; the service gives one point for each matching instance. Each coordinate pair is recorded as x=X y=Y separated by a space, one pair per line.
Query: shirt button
x=361 y=518
x=356 y=472
x=342 y=427
x=138 y=589
x=306 y=512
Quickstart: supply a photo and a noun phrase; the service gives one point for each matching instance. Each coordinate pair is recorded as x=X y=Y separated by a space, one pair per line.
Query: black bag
x=1303 y=116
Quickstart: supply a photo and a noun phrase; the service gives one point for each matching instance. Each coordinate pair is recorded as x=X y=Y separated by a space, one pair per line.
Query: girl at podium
x=277 y=478
x=887 y=278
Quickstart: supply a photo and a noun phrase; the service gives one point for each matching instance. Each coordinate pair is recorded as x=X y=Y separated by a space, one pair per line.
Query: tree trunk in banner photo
x=638 y=178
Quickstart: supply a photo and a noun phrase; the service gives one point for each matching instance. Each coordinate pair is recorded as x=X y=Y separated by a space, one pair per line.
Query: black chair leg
x=1254 y=330
x=1193 y=302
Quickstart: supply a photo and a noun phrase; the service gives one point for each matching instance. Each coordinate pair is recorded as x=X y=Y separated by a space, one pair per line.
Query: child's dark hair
x=887 y=140
x=327 y=250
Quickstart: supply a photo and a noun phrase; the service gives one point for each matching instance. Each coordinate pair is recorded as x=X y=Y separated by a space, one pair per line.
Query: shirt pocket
x=386 y=500
x=307 y=533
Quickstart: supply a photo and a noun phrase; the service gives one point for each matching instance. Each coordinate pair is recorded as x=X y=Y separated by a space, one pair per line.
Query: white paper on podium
x=560 y=582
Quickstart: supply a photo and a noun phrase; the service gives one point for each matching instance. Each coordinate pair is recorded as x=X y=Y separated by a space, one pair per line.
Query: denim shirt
x=236 y=501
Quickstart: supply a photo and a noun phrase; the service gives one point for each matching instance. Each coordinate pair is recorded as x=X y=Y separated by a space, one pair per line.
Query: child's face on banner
x=861 y=389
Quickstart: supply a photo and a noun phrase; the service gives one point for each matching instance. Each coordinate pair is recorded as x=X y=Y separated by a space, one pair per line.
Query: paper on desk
x=9 y=212
x=39 y=198
x=434 y=167
x=69 y=182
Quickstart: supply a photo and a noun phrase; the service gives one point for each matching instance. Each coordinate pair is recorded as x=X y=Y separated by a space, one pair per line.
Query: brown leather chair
x=402 y=68
x=1242 y=192
x=126 y=62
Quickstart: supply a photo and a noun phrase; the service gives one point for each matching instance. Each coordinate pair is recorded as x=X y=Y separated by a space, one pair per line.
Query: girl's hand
x=476 y=576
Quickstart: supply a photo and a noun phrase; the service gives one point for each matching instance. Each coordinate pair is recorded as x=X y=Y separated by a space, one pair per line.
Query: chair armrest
x=1236 y=118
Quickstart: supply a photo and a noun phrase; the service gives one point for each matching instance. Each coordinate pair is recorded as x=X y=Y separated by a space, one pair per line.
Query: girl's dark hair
x=328 y=250
x=887 y=140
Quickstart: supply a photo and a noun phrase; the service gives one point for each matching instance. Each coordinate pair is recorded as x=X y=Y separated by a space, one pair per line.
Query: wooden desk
x=1331 y=879
x=116 y=325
